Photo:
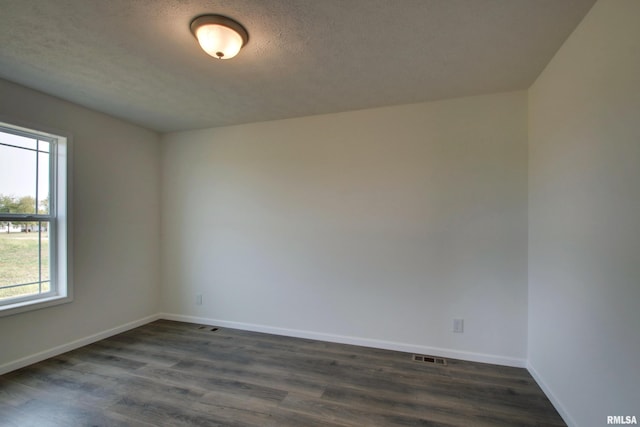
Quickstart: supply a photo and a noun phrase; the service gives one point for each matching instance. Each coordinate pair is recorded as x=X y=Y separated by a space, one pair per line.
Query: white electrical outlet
x=458 y=326
x=199 y=299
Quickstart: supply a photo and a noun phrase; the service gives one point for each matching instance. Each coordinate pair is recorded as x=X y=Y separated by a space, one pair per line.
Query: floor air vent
x=429 y=359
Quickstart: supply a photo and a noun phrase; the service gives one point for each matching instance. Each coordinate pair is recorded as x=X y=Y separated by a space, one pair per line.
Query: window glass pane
x=43 y=146
x=43 y=183
x=24 y=259
x=17 y=180
x=44 y=254
x=19 y=141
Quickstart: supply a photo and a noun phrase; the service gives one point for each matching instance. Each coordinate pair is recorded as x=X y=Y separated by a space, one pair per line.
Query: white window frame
x=60 y=221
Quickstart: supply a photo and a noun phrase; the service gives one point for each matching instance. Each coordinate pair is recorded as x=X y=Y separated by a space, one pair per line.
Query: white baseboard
x=38 y=357
x=364 y=342
x=552 y=397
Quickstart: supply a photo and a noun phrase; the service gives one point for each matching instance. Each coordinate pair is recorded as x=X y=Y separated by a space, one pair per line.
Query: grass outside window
x=21 y=255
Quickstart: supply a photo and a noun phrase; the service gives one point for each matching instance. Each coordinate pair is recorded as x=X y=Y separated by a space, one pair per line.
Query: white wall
x=584 y=210
x=380 y=225
x=116 y=228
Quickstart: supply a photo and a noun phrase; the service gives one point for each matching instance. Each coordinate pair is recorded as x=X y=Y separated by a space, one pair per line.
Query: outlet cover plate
x=458 y=326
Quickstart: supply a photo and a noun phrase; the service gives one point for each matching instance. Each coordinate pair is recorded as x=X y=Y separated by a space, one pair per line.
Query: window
x=34 y=219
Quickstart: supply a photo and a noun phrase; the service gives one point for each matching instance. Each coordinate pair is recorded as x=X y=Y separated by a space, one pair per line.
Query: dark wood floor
x=180 y=374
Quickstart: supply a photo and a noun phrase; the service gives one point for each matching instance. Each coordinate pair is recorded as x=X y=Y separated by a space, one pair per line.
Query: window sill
x=24 y=306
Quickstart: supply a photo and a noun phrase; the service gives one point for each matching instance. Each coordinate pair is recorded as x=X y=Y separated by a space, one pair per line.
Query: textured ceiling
x=136 y=59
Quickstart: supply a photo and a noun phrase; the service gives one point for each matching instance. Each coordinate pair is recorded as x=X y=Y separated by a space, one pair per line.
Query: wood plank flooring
x=181 y=374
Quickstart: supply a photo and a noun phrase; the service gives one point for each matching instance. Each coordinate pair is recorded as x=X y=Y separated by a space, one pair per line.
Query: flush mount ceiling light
x=219 y=36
